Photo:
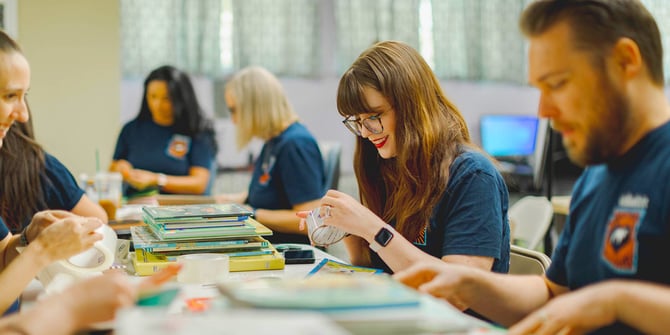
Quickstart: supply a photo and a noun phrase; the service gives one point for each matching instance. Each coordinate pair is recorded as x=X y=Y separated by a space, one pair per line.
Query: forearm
x=9 y=250
x=399 y=254
x=504 y=298
x=643 y=306
x=18 y=274
x=51 y=316
x=185 y=185
x=283 y=221
x=87 y=208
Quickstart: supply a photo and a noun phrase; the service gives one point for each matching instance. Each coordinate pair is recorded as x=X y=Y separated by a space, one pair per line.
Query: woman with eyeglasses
x=426 y=190
x=289 y=173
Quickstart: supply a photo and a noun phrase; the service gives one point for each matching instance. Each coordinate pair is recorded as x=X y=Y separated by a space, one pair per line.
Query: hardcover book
x=329 y=267
x=180 y=223
x=199 y=211
x=147 y=263
x=332 y=292
x=163 y=234
x=143 y=238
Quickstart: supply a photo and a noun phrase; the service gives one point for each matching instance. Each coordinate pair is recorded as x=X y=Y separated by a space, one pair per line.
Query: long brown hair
x=430 y=132
x=21 y=165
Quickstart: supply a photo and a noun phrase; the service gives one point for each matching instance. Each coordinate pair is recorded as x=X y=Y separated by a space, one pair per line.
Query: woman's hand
x=67 y=237
x=42 y=220
x=350 y=215
x=122 y=166
x=141 y=179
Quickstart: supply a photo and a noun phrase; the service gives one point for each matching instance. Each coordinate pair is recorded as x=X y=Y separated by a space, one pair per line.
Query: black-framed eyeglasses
x=373 y=124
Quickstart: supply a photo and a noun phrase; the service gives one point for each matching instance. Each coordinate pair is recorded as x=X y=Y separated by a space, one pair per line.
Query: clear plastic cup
x=319 y=233
x=108 y=191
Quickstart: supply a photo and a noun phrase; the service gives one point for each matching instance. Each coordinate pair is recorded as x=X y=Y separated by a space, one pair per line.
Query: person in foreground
x=426 y=190
x=289 y=174
x=170 y=145
x=78 y=307
x=598 y=65
x=33 y=180
x=52 y=236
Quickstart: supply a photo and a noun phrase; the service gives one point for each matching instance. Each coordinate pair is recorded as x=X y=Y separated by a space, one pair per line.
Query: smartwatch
x=382 y=238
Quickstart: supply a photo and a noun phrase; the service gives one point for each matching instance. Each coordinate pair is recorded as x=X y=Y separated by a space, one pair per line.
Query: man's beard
x=609 y=127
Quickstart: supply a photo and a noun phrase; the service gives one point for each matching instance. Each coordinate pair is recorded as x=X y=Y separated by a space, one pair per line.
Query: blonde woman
x=288 y=175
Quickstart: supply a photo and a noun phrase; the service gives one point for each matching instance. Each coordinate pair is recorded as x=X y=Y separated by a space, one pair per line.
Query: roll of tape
x=203 y=268
x=99 y=258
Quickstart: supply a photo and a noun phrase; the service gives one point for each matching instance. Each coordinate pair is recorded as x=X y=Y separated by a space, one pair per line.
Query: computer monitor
x=509 y=136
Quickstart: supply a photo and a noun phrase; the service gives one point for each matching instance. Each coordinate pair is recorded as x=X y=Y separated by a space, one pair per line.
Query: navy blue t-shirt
x=152 y=147
x=4 y=231
x=289 y=171
x=471 y=216
x=59 y=187
x=619 y=222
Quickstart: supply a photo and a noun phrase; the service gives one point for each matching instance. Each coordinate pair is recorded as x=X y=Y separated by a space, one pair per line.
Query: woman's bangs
x=350 y=97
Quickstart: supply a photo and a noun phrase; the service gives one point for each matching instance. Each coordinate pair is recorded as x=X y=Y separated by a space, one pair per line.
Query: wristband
x=161 y=181
x=23 y=240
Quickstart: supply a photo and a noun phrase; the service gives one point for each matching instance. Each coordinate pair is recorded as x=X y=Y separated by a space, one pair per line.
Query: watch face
x=383 y=237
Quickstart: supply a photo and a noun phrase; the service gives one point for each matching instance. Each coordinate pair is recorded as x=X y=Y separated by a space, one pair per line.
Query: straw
x=97 y=171
x=97 y=160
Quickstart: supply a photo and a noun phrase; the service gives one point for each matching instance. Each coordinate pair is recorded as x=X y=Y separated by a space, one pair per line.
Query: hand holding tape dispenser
x=61 y=274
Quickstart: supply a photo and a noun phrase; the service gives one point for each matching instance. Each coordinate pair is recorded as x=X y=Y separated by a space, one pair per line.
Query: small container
x=319 y=233
x=108 y=191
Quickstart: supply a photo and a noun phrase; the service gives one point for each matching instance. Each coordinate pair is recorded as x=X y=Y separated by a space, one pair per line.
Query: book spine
x=184 y=245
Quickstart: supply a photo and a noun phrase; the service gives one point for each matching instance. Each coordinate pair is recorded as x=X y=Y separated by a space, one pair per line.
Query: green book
x=163 y=234
x=197 y=223
x=143 y=238
x=196 y=212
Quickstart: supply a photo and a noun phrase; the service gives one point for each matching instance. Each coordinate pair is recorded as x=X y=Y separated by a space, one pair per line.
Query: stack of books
x=171 y=231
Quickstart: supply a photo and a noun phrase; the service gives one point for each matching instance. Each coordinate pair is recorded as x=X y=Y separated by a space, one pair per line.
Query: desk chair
x=530 y=217
x=213 y=171
x=331 y=152
x=524 y=261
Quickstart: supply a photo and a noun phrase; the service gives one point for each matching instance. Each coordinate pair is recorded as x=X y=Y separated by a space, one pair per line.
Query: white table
x=431 y=316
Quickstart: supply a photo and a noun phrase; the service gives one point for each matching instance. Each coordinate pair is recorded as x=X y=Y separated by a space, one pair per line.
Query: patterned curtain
x=479 y=40
x=660 y=9
x=280 y=35
x=361 y=23
x=183 y=33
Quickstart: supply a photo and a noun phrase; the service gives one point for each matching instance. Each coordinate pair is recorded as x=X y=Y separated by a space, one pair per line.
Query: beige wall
x=73 y=49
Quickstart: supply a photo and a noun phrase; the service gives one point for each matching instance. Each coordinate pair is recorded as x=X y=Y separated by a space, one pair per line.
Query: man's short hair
x=598 y=24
